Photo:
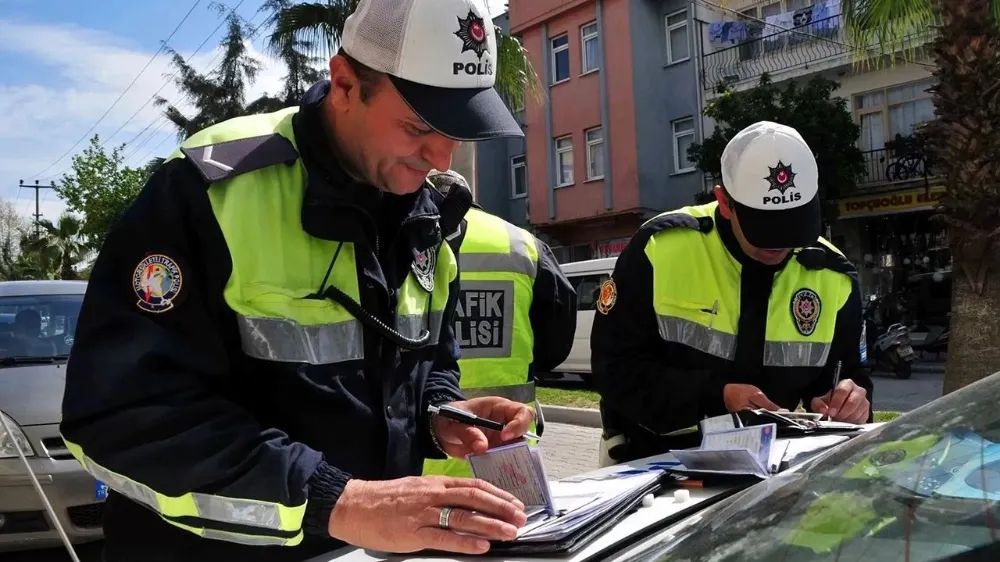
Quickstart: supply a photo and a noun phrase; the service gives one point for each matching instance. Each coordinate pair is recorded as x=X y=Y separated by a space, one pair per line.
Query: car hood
x=32 y=394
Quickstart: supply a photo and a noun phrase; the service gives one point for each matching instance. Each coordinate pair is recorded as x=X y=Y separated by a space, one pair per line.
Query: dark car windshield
x=924 y=487
x=38 y=326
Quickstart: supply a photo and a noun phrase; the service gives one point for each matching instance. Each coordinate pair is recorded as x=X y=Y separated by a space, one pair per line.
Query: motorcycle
x=891 y=350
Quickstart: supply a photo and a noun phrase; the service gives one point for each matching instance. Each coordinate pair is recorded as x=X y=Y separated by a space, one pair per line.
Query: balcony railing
x=887 y=166
x=769 y=51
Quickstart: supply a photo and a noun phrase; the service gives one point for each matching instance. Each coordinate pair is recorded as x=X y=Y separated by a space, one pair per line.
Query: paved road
x=568 y=450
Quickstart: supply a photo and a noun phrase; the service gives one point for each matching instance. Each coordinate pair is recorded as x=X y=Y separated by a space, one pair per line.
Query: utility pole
x=38 y=213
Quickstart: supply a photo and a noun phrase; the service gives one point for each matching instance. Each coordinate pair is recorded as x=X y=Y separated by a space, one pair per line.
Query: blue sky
x=63 y=63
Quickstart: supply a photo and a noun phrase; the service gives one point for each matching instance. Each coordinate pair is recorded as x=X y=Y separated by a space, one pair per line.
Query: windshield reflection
x=922 y=488
x=38 y=326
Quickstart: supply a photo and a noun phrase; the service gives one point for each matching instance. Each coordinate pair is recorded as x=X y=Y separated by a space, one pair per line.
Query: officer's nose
x=438 y=150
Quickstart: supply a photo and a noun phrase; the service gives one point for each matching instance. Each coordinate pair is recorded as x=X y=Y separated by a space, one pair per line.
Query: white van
x=586 y=277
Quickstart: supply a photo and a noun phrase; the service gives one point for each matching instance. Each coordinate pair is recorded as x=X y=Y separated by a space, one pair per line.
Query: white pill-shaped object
x=682 y=495
x=647 y=500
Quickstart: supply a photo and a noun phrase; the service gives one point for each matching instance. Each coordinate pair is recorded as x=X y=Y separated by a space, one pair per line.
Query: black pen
x=469 y=418
x=836 y=381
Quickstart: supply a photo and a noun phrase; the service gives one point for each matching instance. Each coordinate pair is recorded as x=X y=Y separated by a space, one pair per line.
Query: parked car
x=37 y=326
x=586 y=277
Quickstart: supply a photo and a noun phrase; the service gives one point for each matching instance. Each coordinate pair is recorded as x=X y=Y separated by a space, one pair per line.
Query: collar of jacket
x=725 y=230
x=337 y=207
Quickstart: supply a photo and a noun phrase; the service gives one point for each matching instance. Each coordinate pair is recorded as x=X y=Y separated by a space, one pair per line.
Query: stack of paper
x=555 y=509
x=577 y=504
x=738 y=451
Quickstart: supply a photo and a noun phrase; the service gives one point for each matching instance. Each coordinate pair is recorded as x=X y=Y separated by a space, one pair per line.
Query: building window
x=885 y=114
x=518 y=177
x=888 y=112
x=564 y=161
x=560 y=59
x=683 y=139
x=678 y=45
x=595 y=153
x=589 y=56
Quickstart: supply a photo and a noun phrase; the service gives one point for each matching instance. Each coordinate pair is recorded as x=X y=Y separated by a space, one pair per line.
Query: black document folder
x=597 y=525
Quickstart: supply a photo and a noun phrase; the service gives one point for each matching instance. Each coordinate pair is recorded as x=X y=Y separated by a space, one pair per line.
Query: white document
x=718 y=423
x=746 y=450
x=518 y=469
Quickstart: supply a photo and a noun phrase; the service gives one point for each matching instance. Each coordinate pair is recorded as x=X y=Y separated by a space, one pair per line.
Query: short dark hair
x=369 y=77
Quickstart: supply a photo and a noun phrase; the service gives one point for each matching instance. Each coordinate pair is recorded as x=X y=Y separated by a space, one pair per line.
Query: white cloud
x=86 y=70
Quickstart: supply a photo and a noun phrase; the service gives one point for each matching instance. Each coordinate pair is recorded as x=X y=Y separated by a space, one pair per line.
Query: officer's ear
x=725 y=203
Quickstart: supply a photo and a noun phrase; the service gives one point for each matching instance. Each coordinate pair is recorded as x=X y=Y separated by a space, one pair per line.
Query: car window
x=922 y=488
x=38 y=325
x=588 y=288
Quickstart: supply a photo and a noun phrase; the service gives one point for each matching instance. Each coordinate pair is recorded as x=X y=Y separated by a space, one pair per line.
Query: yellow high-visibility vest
x=498 y=262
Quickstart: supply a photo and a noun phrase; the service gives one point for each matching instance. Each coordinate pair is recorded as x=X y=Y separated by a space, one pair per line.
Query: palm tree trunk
x=962 y=142
x=974 y=346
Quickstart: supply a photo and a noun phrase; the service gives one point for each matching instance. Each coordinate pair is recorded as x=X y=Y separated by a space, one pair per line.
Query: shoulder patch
x=607 y=297
x=820 y=257
x=226 y=160
x=157 y=281
x=681 y=220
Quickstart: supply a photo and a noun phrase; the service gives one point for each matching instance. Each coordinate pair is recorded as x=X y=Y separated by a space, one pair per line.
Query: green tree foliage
x=99 y=188
x=824 y=122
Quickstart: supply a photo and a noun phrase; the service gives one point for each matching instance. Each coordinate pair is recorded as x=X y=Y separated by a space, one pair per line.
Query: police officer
x=737 y=304
x=267 y=325
x=516 y=311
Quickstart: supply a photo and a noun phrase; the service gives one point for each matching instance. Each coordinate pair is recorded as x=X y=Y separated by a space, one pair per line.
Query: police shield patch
x=806 y=308
x=423 y=268
x=607 y=296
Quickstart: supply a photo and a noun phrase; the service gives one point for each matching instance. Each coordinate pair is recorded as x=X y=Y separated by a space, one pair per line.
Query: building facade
x=606 y=147
x=884 y=224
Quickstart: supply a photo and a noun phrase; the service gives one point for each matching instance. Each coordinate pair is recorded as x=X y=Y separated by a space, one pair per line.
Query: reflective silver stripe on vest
x=281 y=339
x=722 y=345
x=694 y=335
x=410 y=326
x=214 y=508
x=795 y=354
x=523 y=393
x=243 y=539
x=517 y=261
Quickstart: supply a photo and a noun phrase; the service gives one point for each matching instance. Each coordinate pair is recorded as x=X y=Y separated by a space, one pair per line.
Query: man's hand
x=846 y=403
x=458 y=439
x=738 y=397
x=402 y=515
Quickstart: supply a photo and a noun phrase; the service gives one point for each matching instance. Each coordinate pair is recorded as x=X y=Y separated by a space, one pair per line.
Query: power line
x=166 y=82
x=120 y=96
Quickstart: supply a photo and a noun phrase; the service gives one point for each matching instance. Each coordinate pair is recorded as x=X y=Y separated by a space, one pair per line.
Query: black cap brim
x=779 y=230
x=464 y=114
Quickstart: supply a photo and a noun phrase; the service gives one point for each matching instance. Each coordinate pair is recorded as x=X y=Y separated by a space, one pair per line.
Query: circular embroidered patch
x=157 y=282
x=607 y=296
x=806 y=308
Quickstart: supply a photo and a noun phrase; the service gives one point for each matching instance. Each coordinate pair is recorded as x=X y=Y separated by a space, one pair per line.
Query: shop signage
x=888 y=203
x=611 y=248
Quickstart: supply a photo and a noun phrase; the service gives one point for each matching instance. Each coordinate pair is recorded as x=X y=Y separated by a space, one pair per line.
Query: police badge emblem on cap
x=423 y=268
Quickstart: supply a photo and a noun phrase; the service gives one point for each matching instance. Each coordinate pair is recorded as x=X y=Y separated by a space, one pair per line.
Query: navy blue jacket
x=170 y=400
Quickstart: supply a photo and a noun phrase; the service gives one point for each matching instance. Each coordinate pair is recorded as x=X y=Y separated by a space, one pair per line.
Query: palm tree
x=220 y=95
x=315 y=27
x=962 y=142
x=56 y=250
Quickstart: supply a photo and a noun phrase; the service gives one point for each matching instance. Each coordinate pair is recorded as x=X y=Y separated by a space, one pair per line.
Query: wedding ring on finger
x=443 y=517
